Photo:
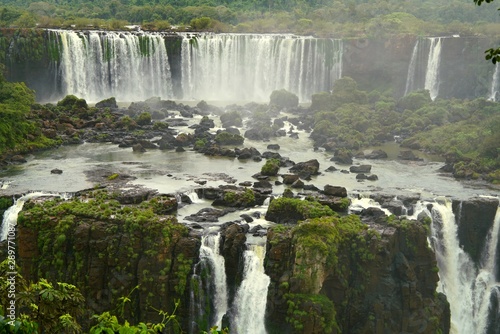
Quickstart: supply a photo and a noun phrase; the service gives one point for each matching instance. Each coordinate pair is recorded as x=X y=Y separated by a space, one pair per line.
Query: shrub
x=284 y=99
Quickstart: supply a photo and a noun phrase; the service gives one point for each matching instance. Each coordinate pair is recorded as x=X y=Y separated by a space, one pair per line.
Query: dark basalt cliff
x=384 y=281
x=364 y=273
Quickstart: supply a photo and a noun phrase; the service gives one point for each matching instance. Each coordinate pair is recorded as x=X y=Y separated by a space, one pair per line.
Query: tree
x=491 y=54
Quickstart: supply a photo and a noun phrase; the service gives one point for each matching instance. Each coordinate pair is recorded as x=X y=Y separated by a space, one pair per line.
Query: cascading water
x=211 y=265
x=410 y=78
x=433 y=62
x=251 y=297
x=97 y=65
x=10 y=215
x=495 y=84
x=469 y=287
x=249 y=67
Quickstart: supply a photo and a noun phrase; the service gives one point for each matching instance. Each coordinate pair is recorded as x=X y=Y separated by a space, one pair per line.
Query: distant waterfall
x=410 y=77
x=95 y=65
x=495 y=84
x=211 y=302
x=251 y=297
x=433 y=62
x=249 y=67
x=469 y=289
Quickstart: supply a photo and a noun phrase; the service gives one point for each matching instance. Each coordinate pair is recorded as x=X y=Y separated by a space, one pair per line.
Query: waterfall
x=433 y=62
x=495 y=84
x=246 y=67
x=211 y=265
x=10 y=215
x=410 y=77
x=95 y=65
x=251 y=297
x=468 y=287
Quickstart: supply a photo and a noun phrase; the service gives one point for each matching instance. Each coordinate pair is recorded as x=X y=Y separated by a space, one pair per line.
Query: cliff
x=364 y=273
x=376 y=279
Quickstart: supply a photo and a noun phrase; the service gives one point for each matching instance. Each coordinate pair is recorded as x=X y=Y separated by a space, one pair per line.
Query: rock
x=273 y=147
x=408 y=155
x=335 y=191
x=376 y=154
x=342 y=157
x=360 y=169
x=18 y=159
x=331 y=169
x=107 y=103
x=298 y=184
x=262 y=184
x=310 y=167
x=138 y=148
x=372 y=177
x=247 y=218
x=56 y=171
x=475 y=218
x=289 y=178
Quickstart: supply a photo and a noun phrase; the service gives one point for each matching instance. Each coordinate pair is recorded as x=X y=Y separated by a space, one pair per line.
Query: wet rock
x=335 y=191
x=289 y=178
x=376 y=154
x=360 y=169
x=408 y=155
x=342 y=157
x=273 y=147
x=56 y=171
x=331 y=169
x=298 y=184
x=310 y=167
x=138 y=148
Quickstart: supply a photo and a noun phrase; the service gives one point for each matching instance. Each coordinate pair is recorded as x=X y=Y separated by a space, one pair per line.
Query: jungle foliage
x=18 y=131
x=318 y=17
x=463 y=131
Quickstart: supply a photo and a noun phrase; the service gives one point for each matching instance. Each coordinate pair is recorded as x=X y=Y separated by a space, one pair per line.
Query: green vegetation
x=357 y=18
x=18 y=131
x=271 y=167
x=231 y=118
x=461 y=130
x=284 y=209
x=492 y=54
x=337 y=247
x=227 y=138
x=284 y=99
x=244 y=198
x=126 y=235
x=143 y=118
x=55 y=307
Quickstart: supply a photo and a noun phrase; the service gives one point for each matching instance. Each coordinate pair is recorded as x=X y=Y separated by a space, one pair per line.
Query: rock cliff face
x=475 y=218
x=361 y=273
x=383 y=281
x=109 y=251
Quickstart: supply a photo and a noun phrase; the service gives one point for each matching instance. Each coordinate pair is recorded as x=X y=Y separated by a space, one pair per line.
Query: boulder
x=310 y=167
x=335 y=191
x=376 y=154
x=360 y=169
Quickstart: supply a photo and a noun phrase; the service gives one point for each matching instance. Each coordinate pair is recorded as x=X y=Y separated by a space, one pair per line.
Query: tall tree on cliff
x=491 y=54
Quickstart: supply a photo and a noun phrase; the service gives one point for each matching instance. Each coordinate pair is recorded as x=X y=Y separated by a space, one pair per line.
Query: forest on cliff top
x=353 y=18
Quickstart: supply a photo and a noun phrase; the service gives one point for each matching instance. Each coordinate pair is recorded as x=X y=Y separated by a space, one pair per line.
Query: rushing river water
x=174 y=172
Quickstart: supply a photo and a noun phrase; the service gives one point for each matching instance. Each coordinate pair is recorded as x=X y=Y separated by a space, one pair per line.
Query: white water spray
x=10 y=215
x=129 y=66
x=467 y=287
x=410 y=77
x=246 y=67
x=433 y=62
x=251 y=297
x=211 y=285
x=495 y=84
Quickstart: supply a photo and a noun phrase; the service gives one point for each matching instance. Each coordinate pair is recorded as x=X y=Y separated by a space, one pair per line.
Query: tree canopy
x=491 y=54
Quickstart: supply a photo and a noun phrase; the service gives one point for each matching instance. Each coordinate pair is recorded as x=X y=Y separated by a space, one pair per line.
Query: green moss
x=113 y=176
x=227 y=138
x=271 y=167
x=312 y=309
x=296 y=208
